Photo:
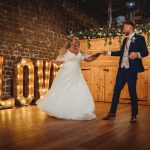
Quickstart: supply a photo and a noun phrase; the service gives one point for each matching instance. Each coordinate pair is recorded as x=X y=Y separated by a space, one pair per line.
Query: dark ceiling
x=98 y=8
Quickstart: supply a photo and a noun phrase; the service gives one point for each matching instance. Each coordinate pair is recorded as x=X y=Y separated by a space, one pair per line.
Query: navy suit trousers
x=125 y=76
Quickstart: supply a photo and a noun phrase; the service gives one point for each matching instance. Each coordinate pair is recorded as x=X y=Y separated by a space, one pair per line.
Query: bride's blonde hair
x=67 y=44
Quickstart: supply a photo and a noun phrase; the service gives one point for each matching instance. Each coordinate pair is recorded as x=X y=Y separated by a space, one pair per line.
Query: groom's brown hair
x=129 y=22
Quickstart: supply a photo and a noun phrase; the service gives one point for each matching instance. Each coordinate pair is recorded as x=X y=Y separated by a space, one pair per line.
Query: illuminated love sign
x=43 y=82
x=1 y=63
x=43 y=73
x=9 y=103
x=18 y=81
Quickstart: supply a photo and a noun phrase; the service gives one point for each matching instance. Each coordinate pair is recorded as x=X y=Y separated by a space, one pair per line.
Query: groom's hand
x=133 y=55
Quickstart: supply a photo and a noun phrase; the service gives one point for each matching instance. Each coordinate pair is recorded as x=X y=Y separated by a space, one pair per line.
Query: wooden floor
x=27 y=128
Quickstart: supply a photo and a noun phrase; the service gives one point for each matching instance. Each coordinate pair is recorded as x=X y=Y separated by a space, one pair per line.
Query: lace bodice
x=69 y=56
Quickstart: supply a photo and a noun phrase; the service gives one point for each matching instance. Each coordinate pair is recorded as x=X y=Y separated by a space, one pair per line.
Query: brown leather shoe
x=133 y=119
x=109 y=116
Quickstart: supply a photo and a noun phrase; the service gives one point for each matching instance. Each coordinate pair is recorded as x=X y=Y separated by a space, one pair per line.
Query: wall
x=34 y=29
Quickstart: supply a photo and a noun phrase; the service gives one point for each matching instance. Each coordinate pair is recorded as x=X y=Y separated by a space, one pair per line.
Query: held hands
x=133 y=55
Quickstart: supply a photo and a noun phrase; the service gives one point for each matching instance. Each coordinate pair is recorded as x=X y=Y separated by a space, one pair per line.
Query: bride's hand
x=57 y=62
x=53 y=61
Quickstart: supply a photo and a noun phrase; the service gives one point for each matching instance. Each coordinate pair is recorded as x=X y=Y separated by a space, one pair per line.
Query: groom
x=130 y=64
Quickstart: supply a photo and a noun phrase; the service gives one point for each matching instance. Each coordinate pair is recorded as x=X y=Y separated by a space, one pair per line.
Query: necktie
x=126 y=45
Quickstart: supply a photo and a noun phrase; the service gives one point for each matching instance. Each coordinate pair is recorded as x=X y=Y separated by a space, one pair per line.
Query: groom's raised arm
x=118 y=52
x=113 y=53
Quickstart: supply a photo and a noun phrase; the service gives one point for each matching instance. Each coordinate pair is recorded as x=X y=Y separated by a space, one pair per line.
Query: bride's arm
x=91 y=58
x=59 y=60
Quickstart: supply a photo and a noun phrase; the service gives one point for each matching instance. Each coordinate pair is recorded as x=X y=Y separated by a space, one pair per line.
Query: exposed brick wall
x=35 y=29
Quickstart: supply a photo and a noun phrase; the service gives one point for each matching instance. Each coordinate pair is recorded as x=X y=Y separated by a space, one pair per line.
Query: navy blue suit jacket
x=138 y=44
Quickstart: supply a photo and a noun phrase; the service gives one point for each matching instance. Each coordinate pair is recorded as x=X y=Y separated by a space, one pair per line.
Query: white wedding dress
x=69 y=96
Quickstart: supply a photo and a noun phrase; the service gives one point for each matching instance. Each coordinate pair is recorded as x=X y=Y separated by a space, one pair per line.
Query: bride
x=69 y=96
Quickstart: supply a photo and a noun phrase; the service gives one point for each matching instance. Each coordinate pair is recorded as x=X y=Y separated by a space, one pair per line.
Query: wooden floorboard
x=28 y=128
